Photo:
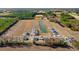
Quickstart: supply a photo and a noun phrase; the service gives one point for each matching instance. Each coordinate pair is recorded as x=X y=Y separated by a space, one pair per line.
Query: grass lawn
x=6 y=22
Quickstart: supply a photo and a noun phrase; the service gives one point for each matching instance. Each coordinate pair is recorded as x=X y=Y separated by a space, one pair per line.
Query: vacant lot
x=21 y=27
x=66 y=32
x=26 y=26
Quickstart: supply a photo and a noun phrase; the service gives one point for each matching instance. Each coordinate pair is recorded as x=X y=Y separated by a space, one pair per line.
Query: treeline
x=51 y=14
x=23 y=14
x=70 y=21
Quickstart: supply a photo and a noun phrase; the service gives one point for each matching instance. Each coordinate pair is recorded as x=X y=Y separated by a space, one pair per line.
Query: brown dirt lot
x=36 y=48
x=19 y=28
x=26 y=25
x=66 y=32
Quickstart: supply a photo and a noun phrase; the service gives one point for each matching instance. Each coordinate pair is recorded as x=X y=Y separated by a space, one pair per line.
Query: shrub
x=28 y=43
x=2 y=42
x=63 y=43
x=76 y=44
x=52 y=41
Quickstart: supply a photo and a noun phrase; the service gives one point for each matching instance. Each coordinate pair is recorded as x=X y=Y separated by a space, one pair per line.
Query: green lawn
x=6 y=22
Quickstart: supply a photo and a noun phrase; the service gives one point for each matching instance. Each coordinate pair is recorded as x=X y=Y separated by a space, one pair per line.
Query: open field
x=66 y=32
x=6 y=22
x=38 y=31
x=26 y=26
x=19 y=29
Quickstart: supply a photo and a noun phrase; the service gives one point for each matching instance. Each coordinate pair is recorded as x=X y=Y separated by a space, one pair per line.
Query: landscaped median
x=6 y=23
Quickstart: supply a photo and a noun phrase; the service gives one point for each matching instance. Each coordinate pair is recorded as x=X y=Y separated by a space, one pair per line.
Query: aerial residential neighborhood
x=39 y=29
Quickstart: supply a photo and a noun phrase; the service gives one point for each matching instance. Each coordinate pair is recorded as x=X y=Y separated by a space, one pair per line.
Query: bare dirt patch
x=21 y=27
x=36 y=48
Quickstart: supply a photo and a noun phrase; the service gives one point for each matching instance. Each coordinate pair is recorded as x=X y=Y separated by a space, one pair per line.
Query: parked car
x=55 y=33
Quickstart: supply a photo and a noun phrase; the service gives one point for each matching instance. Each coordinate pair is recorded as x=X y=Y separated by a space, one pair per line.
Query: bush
x=63 y=43
x=15 y=42
x=52 y=41
x=3 y=43
x=28 y=43
x=57 y=42
x=76 y=44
